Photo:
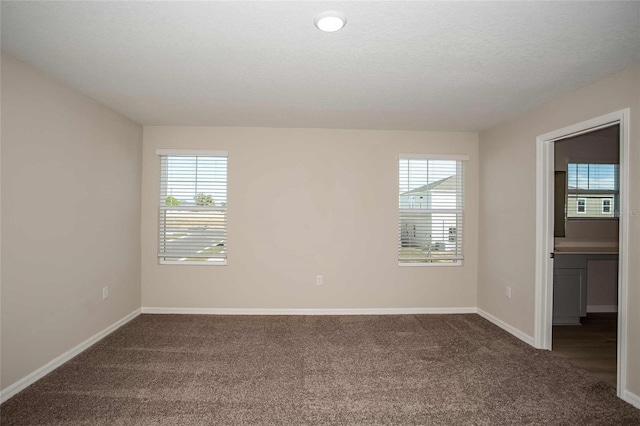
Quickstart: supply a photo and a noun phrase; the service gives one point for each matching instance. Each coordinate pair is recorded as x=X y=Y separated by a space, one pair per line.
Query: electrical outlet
x=319 y=280
x=508 y=292
x=105 y=293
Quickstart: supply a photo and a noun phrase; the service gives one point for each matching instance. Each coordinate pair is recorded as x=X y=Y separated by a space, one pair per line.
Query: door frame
x=544 y=232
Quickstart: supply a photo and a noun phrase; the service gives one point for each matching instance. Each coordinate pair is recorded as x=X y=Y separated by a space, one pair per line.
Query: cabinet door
x=568 y=295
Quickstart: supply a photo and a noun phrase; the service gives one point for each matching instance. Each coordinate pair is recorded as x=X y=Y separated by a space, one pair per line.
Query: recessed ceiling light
x=330 y=21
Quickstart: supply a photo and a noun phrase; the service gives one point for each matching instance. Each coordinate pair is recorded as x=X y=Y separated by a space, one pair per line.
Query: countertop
x=564 y=246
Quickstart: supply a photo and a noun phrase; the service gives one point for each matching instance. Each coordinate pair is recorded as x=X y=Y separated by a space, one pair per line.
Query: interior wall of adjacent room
x=508 y=208
x=71 y=172
x=599 y=147
x=308 y=202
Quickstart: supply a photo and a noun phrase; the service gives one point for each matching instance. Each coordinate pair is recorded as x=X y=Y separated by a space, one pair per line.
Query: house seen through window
x=192 y=207
x=431 y=203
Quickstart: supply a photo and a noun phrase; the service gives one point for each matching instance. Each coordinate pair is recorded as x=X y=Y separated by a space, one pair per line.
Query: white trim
x=506 y=327
x=543 y=308
x=578 y=205
x=430 y=264
x=192 y=152
x=329 y=311
x=544 y=233
x=584 y=130
x=452 y=157
x=586 y=126
x=36 y=375
x=222 y=262
x=602 y=308
x=623 y=252
x=631 y=398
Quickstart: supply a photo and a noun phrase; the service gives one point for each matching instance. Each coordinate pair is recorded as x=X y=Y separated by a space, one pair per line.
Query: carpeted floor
x=317 y=370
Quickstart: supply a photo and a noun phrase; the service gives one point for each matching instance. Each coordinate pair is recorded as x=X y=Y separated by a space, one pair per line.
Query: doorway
x=546 y=218
x=585 y=272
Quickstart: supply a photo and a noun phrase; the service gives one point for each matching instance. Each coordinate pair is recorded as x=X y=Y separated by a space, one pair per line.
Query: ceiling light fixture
x=330 y=21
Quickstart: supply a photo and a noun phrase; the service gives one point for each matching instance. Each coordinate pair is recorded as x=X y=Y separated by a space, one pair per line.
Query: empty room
x=300 y=212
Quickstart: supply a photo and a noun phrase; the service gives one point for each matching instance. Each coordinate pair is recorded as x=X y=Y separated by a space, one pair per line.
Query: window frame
x=578 y=199
x=162 y=260
x=460 y=212
x=610 y=206
x=583 y=190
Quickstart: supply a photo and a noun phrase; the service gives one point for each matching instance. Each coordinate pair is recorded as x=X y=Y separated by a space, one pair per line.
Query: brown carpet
x=315 y=370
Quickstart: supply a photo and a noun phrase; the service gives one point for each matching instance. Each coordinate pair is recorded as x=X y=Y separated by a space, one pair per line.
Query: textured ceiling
x=396 y=65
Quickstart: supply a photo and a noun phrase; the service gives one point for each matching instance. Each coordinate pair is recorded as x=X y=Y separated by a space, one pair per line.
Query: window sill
x=430 y=264
x=597 y=219
x=193 y=262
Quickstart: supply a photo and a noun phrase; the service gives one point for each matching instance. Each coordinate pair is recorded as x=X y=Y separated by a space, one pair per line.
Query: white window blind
x=193 y=207
x=431 y=210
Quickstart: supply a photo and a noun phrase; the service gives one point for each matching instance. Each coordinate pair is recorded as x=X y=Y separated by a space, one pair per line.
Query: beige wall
x=507 y=212
x=70 y=218
x=307 y=202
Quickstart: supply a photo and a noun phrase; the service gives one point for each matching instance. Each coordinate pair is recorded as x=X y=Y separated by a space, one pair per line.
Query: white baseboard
x=23 y=383
x=601 y=308
x=355 y=311
x=631 y=398
x=508 y=328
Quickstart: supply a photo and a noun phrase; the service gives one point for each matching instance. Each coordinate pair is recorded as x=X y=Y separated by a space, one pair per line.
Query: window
x=431 y=207
x=453 y=231
x=592 y=190
x=193 y=207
